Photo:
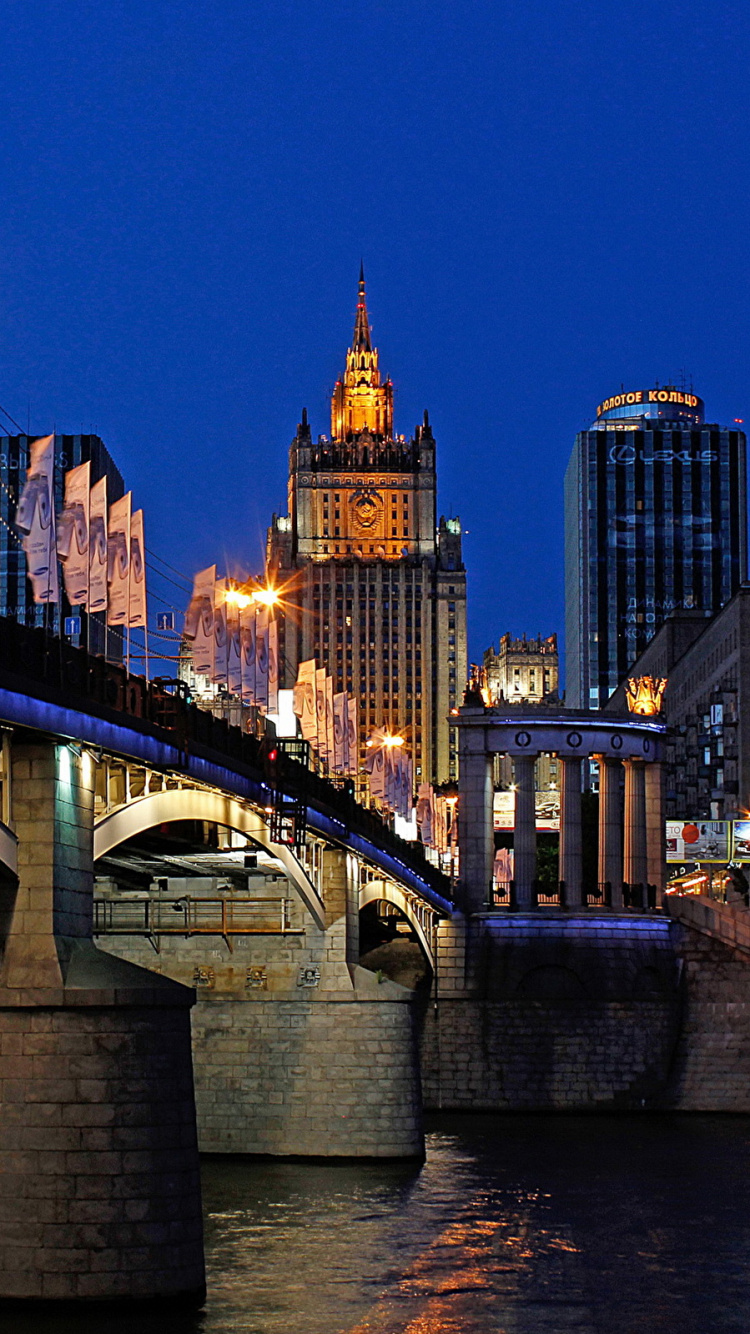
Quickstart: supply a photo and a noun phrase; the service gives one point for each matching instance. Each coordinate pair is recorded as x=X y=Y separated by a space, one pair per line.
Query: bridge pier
x=99 y=1187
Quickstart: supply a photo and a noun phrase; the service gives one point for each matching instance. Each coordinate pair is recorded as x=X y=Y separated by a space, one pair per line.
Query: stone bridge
x=99 y=1194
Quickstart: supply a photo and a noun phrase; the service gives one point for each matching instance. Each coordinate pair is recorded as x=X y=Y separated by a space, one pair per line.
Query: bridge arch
x=392 y=893
x=214 y=807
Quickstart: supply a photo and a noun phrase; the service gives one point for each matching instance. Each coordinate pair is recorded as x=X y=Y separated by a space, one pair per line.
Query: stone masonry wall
x=712 y=1065
x=296 y=1049
x=99 y=1179
x=99 y=1188
x=330 y=1076
x=545 y=1013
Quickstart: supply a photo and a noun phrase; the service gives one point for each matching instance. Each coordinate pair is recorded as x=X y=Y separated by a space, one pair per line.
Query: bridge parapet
x=47 y=684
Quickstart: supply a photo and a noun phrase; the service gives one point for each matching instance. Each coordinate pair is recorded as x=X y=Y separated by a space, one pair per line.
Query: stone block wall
x=296 y=1049
x=99 y=1184
x=712 y=1064
x=333 y=1076
x=551 y=1013
x=99 y=1188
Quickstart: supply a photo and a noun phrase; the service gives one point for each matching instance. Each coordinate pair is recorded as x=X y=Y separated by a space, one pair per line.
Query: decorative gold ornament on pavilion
x=644 y=693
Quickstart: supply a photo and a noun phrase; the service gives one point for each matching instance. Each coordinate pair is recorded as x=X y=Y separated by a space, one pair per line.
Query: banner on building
x=407 y=766
x=440 y=824
x=320 y=710
x=273 y=665
x=199 y=621
x=137 y=619
x=219 y=674
x=118 y=561
x=261 y=657
x=234 y=645
x=392 y=779
x=98 y=557
x=35 y=518
x=329 y=719
x=247 y=653
x=340 y=730
x=376 y=768
x=73 y=534
x=352 y=740
x=425 y=814
x=502 y=867
x=305 y=703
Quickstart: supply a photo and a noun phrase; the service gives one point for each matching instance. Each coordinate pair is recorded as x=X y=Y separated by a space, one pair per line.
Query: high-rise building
x=16 y=598
x=522 y=670
x=655 y=519
x=378 y=581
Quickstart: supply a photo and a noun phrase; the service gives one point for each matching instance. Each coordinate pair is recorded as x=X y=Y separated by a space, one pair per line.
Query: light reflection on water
x=515 y=1225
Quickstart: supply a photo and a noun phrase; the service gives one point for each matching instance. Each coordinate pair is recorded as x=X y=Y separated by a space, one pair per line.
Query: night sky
x=551 y=200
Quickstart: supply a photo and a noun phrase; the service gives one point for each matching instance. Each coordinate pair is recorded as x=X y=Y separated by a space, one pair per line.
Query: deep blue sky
x=551 y=199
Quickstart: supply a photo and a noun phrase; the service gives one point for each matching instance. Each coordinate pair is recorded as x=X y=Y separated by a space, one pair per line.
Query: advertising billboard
x=698 y=840
x=741 y=841
x=547 y=811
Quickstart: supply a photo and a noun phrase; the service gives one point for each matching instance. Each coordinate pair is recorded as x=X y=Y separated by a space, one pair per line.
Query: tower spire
x=360 y=401
x=361 y=341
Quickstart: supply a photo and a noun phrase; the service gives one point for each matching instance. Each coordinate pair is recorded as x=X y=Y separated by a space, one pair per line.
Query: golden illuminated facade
x=378 y=580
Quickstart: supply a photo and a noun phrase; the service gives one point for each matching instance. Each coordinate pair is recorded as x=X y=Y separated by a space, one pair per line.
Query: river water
x=514 y=1225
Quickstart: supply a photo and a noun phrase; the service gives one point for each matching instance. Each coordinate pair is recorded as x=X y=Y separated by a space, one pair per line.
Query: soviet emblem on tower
x=366 y=510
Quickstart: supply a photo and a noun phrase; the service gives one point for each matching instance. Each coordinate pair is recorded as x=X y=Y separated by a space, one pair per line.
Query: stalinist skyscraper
x=380 y=582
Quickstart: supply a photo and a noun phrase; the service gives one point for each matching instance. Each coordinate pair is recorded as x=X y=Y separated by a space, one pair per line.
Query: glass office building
x=655 y=518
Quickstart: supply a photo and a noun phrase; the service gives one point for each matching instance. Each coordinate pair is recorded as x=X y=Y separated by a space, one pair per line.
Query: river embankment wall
x=297 y=1051
x=585 y=1013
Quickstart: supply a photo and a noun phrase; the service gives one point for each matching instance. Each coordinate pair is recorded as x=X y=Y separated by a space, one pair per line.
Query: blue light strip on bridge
x=41 y=716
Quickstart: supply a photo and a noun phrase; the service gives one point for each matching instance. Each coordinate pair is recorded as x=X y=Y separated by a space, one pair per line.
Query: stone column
x=99 y=1178
x=524 y=830
x=655 y=848
x=571 y=856
x=476 y=839
x=610 y=827
x=635 y=865
x=340 y=894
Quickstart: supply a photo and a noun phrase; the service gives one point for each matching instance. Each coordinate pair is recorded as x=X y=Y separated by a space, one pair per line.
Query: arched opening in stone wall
x=391 y=945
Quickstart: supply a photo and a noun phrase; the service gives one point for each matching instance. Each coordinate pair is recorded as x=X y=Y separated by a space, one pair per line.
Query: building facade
x=522 y=670
x=374 y=584
x=16 y=598
x=655 y=520
x=706 y=703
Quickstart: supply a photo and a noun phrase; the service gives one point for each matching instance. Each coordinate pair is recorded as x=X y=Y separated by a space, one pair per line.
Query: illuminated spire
x=361 y=340
x=360 y=402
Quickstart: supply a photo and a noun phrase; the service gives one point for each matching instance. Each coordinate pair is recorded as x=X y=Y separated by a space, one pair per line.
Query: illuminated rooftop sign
x=647 y=401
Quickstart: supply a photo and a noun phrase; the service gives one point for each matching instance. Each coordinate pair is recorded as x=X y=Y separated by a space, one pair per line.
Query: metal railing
x=639 y=898
x=188 y=916
x=31 y=658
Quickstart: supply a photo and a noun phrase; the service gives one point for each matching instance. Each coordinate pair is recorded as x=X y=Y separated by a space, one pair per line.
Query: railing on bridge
x=188 y=916
x=639 y=898
x=91 y=684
